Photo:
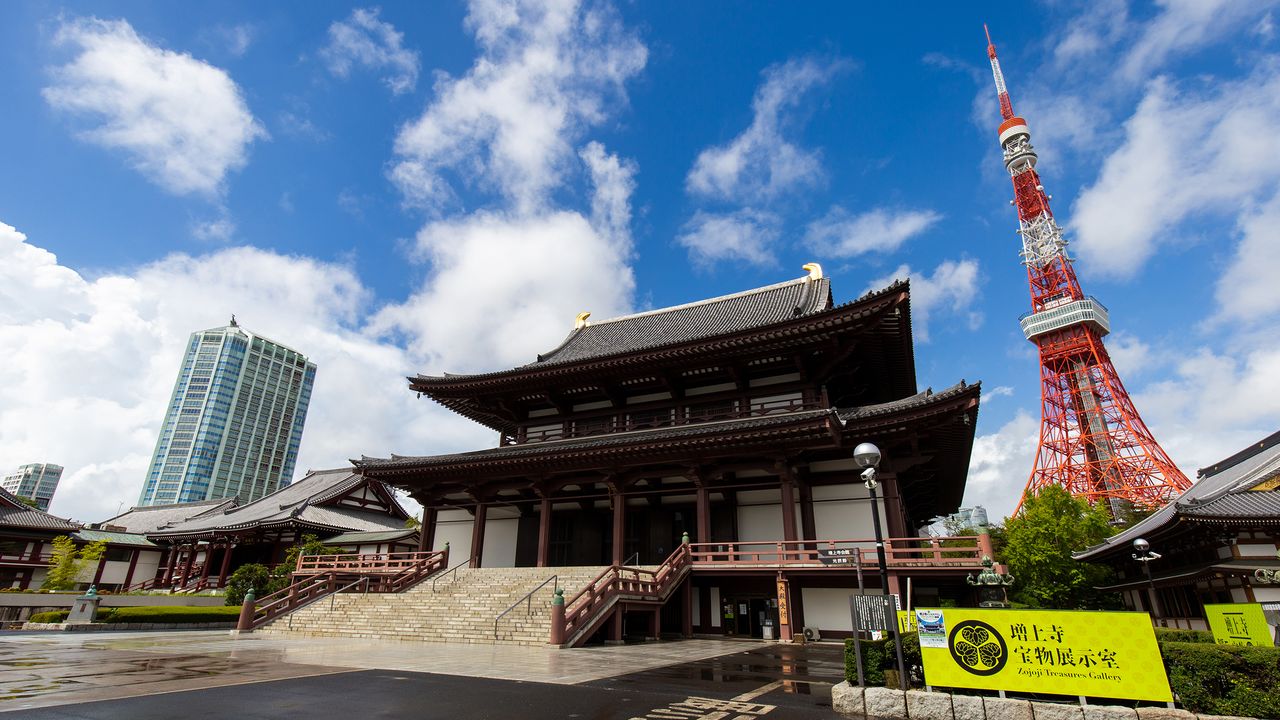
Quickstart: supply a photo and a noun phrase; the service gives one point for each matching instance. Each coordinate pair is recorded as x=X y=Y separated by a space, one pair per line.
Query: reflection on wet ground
x=40 y=670
x=795 y=670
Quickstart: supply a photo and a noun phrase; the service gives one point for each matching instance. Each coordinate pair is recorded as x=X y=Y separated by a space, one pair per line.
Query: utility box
x=85 y=608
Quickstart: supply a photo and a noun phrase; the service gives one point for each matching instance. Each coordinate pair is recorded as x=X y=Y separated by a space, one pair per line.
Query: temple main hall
x=723 y=427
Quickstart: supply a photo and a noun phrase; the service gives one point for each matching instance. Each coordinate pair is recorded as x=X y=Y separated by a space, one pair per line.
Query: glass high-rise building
x=36 y=481
x=234 y=420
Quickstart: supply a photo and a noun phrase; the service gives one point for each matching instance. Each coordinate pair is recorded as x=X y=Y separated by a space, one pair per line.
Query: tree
x=253 y=576
x=412 y=522
x=66 y=563
x=28 y=501
x=1039 y=543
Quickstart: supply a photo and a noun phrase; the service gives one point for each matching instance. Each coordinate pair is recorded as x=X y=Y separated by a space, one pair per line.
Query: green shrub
x=173 y=614
x=1183 y=636
x=878 y=656
x=1224 y=679
x=248 y=576
x=52 y=616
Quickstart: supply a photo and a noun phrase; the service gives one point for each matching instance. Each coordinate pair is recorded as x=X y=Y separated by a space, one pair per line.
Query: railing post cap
x=250 y=596
x=558 y=598
x=684 y=539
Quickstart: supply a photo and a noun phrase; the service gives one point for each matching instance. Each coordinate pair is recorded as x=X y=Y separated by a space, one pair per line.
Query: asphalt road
x=374 y=694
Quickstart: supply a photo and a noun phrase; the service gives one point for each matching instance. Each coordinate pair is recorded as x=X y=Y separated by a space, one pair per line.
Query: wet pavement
x=208 y=674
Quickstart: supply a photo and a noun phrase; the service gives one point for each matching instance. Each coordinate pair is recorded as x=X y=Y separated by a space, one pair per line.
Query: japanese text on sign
x=1238 y=624
x=1069 y=653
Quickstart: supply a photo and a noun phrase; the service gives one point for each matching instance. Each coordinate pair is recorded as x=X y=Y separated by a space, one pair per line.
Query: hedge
x=1224 y=679
x=878 y=656
x=172 y=614
x=52 y=616
x=1183 y=636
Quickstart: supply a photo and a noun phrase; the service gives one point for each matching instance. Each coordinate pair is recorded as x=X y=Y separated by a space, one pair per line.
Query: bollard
x=245 y=625
x=557 y=617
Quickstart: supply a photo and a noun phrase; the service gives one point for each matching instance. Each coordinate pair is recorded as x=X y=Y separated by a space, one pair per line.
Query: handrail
x=814 y=553
x=527 y=597
x=451 y=571
x=634 y=556
x=333 y=596
x=588 y=607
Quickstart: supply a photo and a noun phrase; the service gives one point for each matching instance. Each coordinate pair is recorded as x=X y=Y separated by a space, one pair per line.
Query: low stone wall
x=875 y=703
x=109 y=627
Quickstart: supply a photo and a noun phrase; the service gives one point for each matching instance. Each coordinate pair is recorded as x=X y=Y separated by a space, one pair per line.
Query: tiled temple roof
x=1244 y=488
x=150 y=518
x=16 y=514
x=693 y=321
x=300 y=504
x=678 y=433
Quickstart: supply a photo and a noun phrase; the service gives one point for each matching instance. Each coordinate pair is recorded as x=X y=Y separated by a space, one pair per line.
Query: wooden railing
x=643 y=420
x=372 y=563
x=320 y=575
x=25 y=559
x=590 y=607
x=837 y=554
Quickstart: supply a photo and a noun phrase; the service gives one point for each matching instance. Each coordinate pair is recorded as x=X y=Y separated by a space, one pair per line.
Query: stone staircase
x=461 y=609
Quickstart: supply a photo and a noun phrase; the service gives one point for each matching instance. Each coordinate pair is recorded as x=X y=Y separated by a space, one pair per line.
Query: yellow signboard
x=1238 y=624
x=906 y=621
x=1097 y=654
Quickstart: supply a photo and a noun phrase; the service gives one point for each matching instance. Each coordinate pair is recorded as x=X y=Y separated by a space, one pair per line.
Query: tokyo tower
x=1093 y=443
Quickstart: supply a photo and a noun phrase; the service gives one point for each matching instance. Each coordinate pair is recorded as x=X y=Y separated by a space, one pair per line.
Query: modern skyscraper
x=234 y=421
x=36 y=481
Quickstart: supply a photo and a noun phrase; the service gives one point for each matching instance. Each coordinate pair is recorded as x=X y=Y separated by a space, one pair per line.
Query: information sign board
x=1238 y=624
x=836 y=556
x=1096 y=654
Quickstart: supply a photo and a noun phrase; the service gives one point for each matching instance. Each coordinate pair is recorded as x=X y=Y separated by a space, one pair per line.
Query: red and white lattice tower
x=1092 y=440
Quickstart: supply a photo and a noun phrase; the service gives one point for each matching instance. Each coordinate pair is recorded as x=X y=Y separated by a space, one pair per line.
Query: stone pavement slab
x=39 y=670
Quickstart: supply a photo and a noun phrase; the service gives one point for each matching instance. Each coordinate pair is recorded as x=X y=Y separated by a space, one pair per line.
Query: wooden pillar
x=477 y=535
x=687 y=629
x=808 y=526
x=36 y=547
x=102 y=565
x=655 y=623
x=544 y=532
x=788 y=509
x=226 y=562
x=208 y=560
x=619 y=524
x=25 y=583
x=190 y=562
x=427 y=532
x=133 y=565
x=173 y=557
x=704 y=515
x=615 y=626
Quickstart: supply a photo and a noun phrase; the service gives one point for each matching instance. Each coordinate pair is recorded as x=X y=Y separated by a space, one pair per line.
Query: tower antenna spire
x=1006 y=105
x=1093 y=443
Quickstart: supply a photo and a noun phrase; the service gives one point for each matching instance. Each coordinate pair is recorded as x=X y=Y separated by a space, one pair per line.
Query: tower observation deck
x=1093 y=443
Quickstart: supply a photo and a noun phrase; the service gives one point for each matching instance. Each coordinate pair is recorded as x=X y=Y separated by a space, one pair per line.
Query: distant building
x=37 y=481
x=234 y=420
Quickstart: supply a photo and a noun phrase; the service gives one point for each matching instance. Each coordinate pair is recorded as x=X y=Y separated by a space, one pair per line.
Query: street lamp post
x=1144 y=555
x=867 y=457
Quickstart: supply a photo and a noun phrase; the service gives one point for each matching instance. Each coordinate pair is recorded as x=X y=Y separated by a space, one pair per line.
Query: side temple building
x=730 y=420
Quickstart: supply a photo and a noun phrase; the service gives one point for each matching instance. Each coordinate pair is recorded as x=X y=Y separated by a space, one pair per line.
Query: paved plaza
x=210 y=674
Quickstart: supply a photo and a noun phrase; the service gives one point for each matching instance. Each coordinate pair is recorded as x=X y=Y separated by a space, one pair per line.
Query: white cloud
x=506 y=282
x=122 y=335
x=181 y=122
x=1001 y=464
x=216 y=230
x=1248 y=290
x=746 y=236
x=1181 y=26
x=761 y=163
x=1183 y=153
x=951 y=290
x=364 y=40
x=546 y=73
x=842 y=235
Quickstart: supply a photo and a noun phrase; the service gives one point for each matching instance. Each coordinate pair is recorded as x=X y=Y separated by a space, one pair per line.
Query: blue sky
x=430 y=186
